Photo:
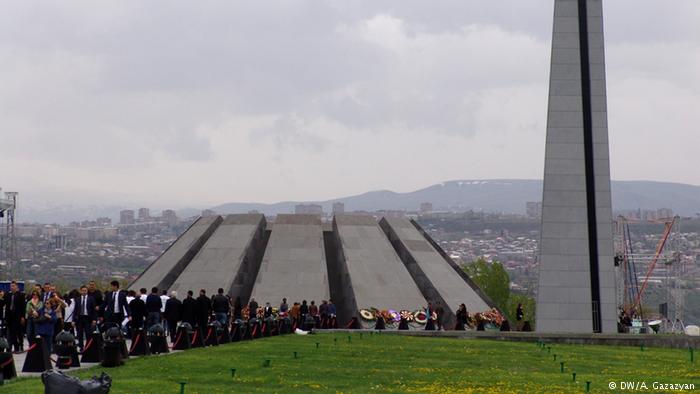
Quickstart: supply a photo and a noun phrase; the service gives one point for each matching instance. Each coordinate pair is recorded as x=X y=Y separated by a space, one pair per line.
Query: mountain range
x=496 y=195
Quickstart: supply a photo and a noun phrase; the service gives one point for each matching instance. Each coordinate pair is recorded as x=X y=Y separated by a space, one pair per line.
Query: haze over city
x=135 y=102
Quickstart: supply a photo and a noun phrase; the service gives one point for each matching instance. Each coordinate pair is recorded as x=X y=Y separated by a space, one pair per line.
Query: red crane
x=659 y=249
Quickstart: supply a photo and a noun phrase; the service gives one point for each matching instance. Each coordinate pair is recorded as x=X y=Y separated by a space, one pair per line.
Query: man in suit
x=14 y=316
x=138 y=311
x=46 y=293
x=115 y=305
x=84 y=314
x=173 y=314
x=153 y=306
x=190 y=309
x=204 y=306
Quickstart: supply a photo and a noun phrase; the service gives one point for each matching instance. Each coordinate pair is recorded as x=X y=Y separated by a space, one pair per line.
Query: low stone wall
x=648 y=340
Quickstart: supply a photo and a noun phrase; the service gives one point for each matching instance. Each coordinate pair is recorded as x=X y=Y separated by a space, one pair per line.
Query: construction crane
x=630 y=279
x=668 y=227
x=8 y=241
x=632 y=264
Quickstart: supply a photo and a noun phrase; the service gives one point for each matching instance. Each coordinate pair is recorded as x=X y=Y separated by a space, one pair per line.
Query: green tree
x=492 y=279
x=528 y=304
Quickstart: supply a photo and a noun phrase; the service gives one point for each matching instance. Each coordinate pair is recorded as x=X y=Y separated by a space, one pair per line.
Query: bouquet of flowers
x=394 y=316
x=406 y=315
x=384 y=314
x=493 y=316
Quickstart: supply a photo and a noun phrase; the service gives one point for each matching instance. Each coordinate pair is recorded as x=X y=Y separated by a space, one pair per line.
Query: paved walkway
x=19 y=360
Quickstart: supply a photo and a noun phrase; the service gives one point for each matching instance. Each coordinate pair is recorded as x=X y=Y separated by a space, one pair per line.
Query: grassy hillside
x=391 y=364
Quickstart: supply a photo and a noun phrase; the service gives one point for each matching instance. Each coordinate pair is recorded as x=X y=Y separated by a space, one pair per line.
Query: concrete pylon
x=576 y=291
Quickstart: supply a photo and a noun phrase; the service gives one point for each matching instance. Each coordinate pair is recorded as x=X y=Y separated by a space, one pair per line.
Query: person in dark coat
x=252 y=308
x=84 y=315
x=138 y=311
x=519 y=315
x=14 y=316
x=97 y=295
x=440 y=316
x=153 y=306
x=204 y=309
x=45 y=328
x=303 y=311
x=220 y=305
x=323 y=311
x=190 y=309
x=115 y=305
x=462 y=317
x=480 y=322
x=173 y=314
x=238 y=308
x=3 y=333
x=267 y=311
x=46 y=293
x=430 y=324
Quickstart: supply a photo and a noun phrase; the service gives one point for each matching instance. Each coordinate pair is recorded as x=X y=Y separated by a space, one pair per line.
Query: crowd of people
x=435 y=319
x=302 y=315
x=44 y=312
x=39 y=313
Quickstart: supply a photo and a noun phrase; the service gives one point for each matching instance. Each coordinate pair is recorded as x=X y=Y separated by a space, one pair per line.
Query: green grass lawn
x=388 y=363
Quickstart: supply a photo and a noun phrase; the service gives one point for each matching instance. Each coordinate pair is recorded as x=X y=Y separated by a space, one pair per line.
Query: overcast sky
x=172 y=103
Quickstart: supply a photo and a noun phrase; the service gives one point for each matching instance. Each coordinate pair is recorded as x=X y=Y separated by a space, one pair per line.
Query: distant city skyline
x=490 y=196
x=119 y=103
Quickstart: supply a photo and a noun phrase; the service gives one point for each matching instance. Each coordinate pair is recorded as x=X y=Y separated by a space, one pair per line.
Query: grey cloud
x=112 y=85
x=531 y=16
x=287 y=132
x=186 y=146
x=450 y=113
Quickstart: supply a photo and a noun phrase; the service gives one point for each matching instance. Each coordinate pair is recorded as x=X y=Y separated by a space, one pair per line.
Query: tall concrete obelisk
x=576 y=279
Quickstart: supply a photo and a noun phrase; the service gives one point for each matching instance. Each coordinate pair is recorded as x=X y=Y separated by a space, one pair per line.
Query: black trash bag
x=97 y=385
x=56 y=382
